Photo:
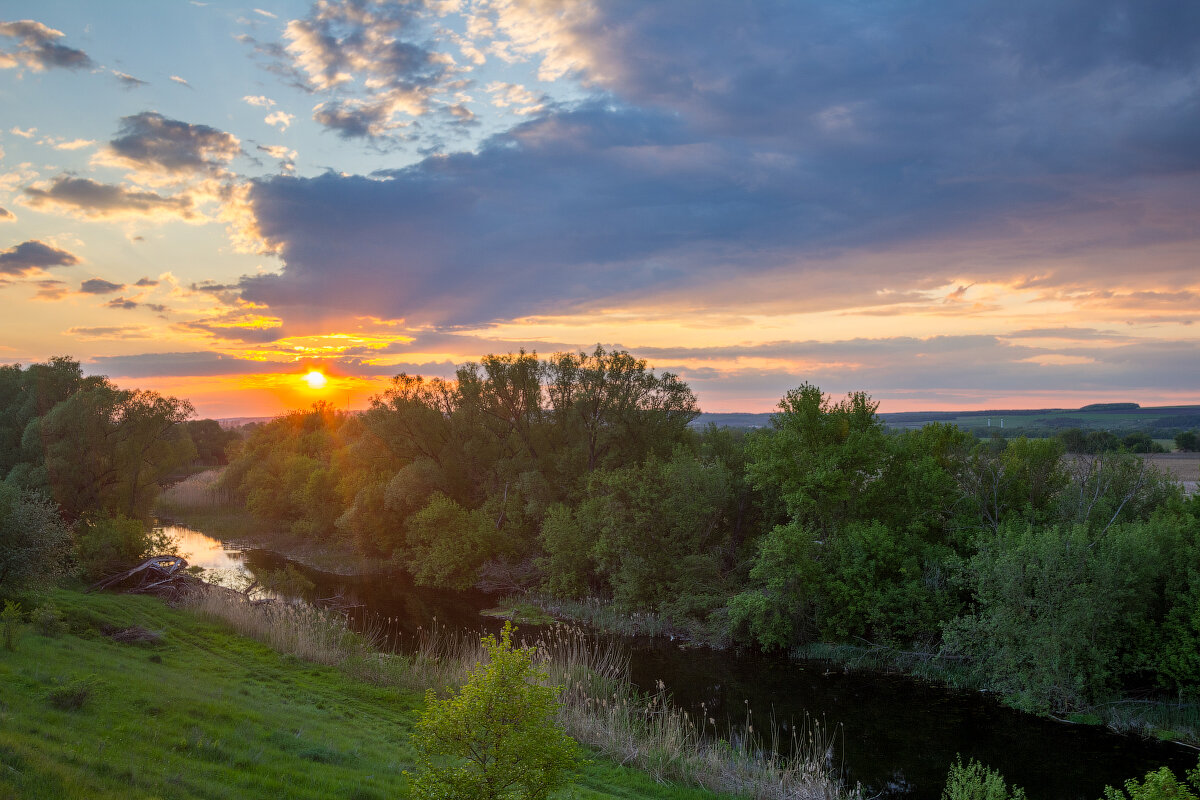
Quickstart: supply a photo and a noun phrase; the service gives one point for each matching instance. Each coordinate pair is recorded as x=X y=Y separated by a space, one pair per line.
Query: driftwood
x=164 y=576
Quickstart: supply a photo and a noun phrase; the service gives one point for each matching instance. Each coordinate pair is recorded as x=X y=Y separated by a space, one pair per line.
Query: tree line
x=1061 y=579
x=81 y=463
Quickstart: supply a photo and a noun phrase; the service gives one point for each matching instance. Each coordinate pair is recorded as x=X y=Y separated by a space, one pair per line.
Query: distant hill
x=1121 y=418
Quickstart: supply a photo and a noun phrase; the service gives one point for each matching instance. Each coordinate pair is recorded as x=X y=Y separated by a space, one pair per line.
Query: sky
x=947 y=205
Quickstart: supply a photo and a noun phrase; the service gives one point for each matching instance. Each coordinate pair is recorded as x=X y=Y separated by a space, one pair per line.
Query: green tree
x=497 y=738
x=1188 y=441
x=820 y=456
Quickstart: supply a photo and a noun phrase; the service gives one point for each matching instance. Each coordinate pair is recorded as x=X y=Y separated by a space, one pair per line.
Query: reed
x=201 y=491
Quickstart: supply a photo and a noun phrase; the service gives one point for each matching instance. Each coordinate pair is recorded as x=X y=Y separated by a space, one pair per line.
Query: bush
x=107 y=545
x=1158 y=785
x=74 y=695
x=48 y=620
x=977 y=782
x=34 y=541
x=498 y=738
x=10 y=623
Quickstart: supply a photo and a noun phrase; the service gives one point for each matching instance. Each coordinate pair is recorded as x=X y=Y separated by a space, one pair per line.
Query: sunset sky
x=948 y=205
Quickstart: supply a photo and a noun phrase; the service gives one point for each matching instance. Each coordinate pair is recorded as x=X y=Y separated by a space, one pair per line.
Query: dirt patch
x=134 y=634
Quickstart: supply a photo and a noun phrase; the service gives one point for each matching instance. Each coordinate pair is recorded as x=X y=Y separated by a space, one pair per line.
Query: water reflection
x=221 y=562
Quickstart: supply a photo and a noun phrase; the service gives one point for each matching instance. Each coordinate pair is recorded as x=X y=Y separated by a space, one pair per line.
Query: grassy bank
x=201 y=710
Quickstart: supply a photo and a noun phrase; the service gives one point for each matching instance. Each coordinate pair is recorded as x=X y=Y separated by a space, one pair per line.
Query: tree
x=106 y=449
x=820 y=456
x=499 y=733
x=1188 y=441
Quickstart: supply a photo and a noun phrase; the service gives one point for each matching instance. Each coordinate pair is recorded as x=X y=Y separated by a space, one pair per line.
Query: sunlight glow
x=315 y=380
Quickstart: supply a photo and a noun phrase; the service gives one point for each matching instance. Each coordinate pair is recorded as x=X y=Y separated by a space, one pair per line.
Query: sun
x=315 y=380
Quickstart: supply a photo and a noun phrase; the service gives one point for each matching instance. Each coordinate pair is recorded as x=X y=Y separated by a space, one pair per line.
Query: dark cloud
x=6 y=215
x=791 y=148
x=954 y=368
x=146 y=282
x=123 y=303
x=100 y=286
x=104 y=200
x=211 y=364
x=38 y=49
x=34 y=255
x=150 y=141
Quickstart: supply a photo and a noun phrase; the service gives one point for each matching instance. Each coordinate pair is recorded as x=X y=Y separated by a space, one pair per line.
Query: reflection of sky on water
x=205 y=551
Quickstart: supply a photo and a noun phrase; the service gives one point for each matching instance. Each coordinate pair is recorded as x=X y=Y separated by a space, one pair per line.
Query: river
x=895 y=735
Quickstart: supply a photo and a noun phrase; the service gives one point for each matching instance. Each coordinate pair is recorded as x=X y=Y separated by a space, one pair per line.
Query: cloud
x=24 y=134
x=279 y=119
x=258 y=100
x=37 y=48
x=831 y=160
x=6 y=215
x=34 y=255
x=50 y=290
x=74 y=144
x=266 y=14
x=181 y=81
x=128 y=81
x=369 y=56
x=100 y=286
x=119 y=332
x=123 y=303
x=212 y=364
x=87 y=198
x=151 y=143
x=146 y=283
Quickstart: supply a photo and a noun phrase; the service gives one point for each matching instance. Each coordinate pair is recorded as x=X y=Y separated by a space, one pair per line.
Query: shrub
x=1158 y=785
x=10 y=622
x=497 y=738
x=48 y=620
x=34 y=541
x=106 y=545
x=977 y=782
x=74 y=695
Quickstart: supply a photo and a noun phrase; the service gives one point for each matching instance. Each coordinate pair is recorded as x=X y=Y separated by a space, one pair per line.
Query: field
x=204 y=713
x=1185 y=467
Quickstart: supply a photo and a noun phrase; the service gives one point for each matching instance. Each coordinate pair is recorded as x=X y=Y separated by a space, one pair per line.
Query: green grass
x=207 y=714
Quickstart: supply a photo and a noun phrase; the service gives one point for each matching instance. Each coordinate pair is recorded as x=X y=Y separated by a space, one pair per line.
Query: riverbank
x=186 y=708
x=1164 y=720
x=198 y=502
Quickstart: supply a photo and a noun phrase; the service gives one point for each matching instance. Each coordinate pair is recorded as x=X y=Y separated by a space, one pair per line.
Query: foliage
x=1188 y=441
x=73 y=695
x=108 y=544
x=10 y=624
x=974 y=781
x=1057 y=611
x=48 y=620
x=498 y=732
x=34 y=542
x=1158 y=785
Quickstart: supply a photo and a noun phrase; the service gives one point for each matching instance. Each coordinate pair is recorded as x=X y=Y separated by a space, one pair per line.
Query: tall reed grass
x=201 y=491
x=600 y=708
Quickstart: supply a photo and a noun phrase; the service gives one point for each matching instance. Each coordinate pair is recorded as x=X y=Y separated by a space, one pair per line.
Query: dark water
x=897 y=736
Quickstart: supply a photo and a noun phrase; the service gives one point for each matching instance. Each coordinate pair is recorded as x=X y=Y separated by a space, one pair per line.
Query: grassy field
x=205 y=713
